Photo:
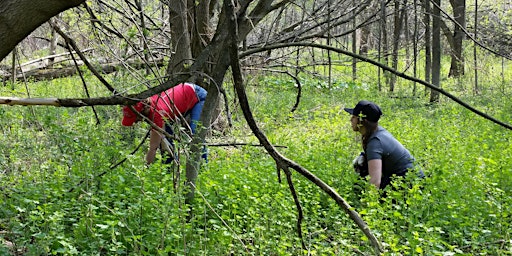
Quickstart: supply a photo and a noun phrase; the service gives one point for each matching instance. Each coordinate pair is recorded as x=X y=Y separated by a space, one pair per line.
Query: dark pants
x=386 y=180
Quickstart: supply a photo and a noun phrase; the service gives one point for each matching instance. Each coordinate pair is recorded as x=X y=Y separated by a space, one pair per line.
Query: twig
x=83 y=82
x=82 y=56
x=220 y=218
x=234 y=144
x=52 y=56
x=115 y=165
x=300 y=213
x=297 y=82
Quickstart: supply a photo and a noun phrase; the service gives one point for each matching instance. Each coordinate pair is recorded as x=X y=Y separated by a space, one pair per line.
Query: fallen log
x=40 y=74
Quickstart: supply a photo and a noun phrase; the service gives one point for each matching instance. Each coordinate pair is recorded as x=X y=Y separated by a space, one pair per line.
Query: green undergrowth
x=60 y=195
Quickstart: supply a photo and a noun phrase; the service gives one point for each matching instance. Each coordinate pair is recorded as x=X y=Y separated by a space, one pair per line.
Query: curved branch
x=385 y=68
x=297 y=82
x=282 y=162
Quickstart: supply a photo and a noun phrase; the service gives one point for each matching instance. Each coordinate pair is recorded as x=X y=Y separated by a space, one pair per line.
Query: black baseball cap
x=368 y=109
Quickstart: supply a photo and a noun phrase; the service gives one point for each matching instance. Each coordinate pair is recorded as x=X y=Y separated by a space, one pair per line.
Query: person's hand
x=361 y=165
x=359 y=160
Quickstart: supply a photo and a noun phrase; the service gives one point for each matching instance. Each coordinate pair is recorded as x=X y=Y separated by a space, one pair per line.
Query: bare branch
x=71 y=42
x=235 y=144
x=297 y=82
x=83 y=82
x=282 y=162
x=300 y=216
x=384 y=67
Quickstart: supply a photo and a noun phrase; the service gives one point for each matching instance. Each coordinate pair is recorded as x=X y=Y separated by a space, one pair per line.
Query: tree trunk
x=181 y=52
x=44 y=73
x=428 y=42
x=415 y=45
x=15 y=22
x=199 y=24
x=457 y=62
x=13 y=67
x=143 y=43
x=364 y=43
x=397 y=25
x=475 y=48
x=354 y=50
x=384 y=40
x=53 y=46
x=436 y=51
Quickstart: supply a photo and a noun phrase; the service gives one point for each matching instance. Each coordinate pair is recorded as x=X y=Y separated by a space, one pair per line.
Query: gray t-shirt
x=396 y=159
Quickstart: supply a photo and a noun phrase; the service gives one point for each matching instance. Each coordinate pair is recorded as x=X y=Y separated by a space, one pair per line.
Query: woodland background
x=278 y=73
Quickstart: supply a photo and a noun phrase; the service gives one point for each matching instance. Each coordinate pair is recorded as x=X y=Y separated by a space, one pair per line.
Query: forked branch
x=282 y=162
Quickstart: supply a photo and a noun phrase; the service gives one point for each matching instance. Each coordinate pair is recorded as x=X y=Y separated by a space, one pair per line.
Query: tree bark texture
x=436 y=50
x=398 y=18
x=180 y=37
x=384 y=40
x=20 y=17
x=457 y=62
x=428 y=40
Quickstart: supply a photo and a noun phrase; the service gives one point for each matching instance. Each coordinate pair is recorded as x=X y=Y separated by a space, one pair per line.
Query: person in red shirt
x=165 y=108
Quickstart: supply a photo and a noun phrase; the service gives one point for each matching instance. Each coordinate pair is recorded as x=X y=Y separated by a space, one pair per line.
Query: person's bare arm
x=375 y=171
x=154 y=142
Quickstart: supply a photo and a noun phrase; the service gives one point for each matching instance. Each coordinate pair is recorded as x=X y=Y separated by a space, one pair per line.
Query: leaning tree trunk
x=15 y=24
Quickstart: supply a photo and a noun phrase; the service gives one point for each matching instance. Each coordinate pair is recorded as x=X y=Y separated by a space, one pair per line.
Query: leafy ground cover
x=59 y=194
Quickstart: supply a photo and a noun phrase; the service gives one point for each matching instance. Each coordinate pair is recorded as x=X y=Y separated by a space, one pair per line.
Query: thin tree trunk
x=53 y=45
x=415 y=46
x=13 y=66
x=398 y=20
x=384 y=38
x=474 y=48
x=428 y=42
x=407 y=34
x=143 y=41
x=502 y=75
x=329 y=58
x=354 y=49
x=364 y=43
x=436 y=51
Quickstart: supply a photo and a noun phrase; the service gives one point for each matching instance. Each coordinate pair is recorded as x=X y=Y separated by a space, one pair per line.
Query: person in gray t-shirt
x=386 y=157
